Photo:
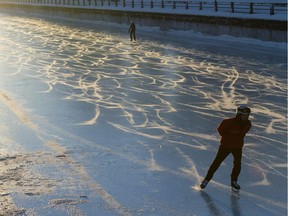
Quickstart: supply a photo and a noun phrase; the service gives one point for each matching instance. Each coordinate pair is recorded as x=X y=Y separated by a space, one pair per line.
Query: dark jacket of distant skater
x=132 y=31
x=232 y=131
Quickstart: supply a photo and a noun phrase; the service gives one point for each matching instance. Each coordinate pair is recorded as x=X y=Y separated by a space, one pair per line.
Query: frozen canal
x=93 y=124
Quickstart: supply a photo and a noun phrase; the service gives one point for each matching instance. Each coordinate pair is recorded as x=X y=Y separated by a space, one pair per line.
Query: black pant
x=223 y=152
x=133 y=35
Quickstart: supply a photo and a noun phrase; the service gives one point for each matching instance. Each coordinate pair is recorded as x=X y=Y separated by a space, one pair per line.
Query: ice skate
x=204 y=184
x=235 y=186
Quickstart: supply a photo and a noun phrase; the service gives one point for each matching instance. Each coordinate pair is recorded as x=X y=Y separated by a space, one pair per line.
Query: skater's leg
x=221 y=155
x=237 y=156
x=134 y=35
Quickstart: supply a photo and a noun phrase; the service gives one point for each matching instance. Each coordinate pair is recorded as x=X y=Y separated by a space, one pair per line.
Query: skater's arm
x=224 y=127
x=246 y=128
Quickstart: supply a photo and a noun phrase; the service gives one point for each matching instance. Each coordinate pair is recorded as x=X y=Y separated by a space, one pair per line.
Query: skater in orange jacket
x=232 y=131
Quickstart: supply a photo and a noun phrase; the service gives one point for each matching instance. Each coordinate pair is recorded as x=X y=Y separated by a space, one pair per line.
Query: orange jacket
x=233 y=131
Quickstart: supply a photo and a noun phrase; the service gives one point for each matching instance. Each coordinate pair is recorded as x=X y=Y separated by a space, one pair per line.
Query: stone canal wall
x=268 y=30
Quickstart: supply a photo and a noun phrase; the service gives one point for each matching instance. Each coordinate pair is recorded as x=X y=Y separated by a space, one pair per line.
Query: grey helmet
x=243 y=110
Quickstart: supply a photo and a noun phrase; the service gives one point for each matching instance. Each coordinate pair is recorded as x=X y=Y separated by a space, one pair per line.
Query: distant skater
x=232 y=131
x=132 y=31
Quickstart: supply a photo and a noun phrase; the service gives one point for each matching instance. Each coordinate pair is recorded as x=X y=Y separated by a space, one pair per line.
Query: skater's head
x=243 y=112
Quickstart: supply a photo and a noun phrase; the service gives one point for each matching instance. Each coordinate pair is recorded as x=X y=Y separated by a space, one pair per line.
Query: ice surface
x=93 y=124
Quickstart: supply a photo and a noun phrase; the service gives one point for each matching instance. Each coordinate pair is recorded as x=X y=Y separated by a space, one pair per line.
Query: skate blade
x=235 y=190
